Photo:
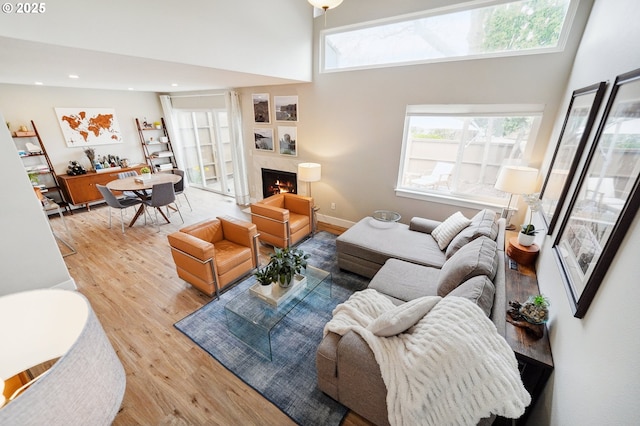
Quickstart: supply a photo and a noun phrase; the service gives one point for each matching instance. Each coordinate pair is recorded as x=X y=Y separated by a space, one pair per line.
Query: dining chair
x=162 y=195
x=178 y=187
x=115 y=203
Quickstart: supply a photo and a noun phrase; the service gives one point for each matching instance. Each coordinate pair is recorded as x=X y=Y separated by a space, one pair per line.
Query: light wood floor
x=132 y=285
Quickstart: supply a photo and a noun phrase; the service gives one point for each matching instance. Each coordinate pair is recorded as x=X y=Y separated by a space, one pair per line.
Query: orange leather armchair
x=212 y=254
x=283 y=219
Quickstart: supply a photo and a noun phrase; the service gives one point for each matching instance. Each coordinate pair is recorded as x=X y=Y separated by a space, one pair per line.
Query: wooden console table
x=534 y=355
x=81 y=189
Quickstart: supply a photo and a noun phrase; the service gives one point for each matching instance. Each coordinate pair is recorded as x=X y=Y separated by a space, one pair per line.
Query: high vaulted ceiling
x=147 y=46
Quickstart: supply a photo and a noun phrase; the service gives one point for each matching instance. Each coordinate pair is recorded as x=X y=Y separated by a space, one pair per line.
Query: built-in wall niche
x=278 y=181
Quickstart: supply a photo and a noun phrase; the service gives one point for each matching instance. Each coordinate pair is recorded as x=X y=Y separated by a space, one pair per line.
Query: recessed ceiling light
x=174 y=84
x=74 y=76
x=131 y=88
x=38 y=83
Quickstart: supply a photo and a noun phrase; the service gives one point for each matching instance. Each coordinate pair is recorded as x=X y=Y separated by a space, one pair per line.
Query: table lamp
x=84 y=386
x=515 y=180
x=309 y=172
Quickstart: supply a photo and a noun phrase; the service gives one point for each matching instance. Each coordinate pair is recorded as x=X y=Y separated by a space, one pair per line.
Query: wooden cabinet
x=81 y=189
x=156 y=145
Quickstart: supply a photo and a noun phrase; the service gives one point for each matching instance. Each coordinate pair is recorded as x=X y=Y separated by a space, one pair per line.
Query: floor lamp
x=515 y=180
x=86 y=384
x=309 y=172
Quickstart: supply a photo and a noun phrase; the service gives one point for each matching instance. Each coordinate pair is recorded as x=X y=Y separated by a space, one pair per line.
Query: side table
x=534 y=355
x=523 y=255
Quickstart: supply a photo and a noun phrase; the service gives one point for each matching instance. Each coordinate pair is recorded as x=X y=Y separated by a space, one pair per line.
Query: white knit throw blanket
x=451 y=368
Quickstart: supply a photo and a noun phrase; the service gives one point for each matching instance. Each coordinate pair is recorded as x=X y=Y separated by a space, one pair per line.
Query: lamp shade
x=325 y=4
x=84 y=386
x=517 y=179
x=309 y=172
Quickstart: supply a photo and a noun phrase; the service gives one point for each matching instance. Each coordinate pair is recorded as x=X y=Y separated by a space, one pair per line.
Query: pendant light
x=325 y=5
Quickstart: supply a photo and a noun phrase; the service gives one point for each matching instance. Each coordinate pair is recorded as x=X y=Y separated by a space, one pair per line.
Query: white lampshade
x=517 y=179
x=84 y=386
x=325 y=4
x=309 y=172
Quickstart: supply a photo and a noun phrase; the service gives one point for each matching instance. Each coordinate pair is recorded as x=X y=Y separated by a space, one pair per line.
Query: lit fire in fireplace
x=277 y=182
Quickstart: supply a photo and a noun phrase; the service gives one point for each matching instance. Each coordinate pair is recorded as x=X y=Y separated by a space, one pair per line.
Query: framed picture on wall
x=581 y=114
x=606 y=199
x=288 y=140
x=286 y=108
x=89 y=126
x=261 y=108
x=263 y=139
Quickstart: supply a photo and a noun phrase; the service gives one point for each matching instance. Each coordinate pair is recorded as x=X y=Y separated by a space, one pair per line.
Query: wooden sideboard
x=81 y=189
x=534 y=355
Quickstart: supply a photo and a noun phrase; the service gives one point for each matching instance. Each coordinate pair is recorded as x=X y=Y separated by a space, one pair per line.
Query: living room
x=344 y=115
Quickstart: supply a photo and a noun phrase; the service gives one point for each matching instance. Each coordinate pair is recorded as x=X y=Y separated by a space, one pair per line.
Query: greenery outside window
x=456 y=151
x=482 y=28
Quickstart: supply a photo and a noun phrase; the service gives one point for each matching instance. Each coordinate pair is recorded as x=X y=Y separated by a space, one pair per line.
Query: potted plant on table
x=528 y=231
x=536 y=309
x=145 y=173
x=283 y=265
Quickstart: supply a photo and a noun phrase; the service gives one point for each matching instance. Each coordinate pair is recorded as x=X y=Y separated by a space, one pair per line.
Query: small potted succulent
x=536 y=309
x=285 y=263
x=145 y=173
x=157 y=125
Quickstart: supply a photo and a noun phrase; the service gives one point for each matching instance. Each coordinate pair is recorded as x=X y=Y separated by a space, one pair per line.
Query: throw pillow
x=482 y=224
x=480 y=290
x=448 y=229
x=479 y=257
x=403 y=317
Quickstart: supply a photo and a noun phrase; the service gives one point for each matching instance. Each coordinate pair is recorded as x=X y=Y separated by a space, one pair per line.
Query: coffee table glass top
x=251 y=319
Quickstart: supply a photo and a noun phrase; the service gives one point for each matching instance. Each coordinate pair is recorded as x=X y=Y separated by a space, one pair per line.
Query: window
x=476 y=29
x=456 y=151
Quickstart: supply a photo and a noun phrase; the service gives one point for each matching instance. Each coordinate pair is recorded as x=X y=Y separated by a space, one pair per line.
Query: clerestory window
x=456 y=151
x=476 y=29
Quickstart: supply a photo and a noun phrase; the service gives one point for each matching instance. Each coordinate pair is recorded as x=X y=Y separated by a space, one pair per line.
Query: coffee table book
x=274 y=294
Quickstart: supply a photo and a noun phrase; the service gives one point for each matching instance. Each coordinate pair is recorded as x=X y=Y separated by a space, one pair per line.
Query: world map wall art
x=89 y=126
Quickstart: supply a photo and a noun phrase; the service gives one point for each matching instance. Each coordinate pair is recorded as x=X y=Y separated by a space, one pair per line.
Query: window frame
x=465 y=110
x=461 y=7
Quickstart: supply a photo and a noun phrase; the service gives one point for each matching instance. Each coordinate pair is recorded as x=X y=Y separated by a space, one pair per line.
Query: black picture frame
x=581 y=114
x=606 y=199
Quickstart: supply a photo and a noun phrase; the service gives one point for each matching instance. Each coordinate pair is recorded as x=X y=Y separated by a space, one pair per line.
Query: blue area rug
x=289 y=381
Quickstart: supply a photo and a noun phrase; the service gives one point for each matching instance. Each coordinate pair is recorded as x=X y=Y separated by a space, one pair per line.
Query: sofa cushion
x=480 y=290
x=405 y=281
x=448 y=229
x=401 y=318
x=482 y=224
x=479 y=257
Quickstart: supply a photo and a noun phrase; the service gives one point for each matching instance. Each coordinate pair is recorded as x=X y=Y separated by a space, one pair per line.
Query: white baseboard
x=335 y=221
x=70 y=284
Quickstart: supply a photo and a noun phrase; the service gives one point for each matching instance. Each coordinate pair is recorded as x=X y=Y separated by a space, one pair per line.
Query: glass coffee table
x=252 y=319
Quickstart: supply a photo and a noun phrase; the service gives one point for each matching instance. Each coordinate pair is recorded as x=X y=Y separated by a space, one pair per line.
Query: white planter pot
x=525 y=240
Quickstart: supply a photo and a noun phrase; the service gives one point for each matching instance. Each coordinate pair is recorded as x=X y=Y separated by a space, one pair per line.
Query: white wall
x=352 y=122
x=21 y=104
x=597 y=379
x=29 y=255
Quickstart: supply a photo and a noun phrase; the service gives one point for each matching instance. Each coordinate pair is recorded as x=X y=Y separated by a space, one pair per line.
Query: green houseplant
x=536 y=309
x=282 y=266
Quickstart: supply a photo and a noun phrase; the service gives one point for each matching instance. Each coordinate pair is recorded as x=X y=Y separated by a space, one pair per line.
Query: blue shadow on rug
x=289 y=381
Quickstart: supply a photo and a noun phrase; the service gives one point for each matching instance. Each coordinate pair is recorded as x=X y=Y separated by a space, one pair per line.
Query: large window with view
x=457 y=151
x=470 y=30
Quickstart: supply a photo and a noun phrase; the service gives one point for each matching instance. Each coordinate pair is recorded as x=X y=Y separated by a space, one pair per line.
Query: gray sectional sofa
x=405 y=262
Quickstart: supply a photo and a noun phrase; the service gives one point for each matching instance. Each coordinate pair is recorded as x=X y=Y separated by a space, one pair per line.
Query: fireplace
x=277 y=181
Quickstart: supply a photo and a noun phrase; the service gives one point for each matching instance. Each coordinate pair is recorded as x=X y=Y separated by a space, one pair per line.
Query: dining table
x=139 y=186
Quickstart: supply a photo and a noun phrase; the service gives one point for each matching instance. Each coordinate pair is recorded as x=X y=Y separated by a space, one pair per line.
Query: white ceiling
x=27 y=62
x=148 y=45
